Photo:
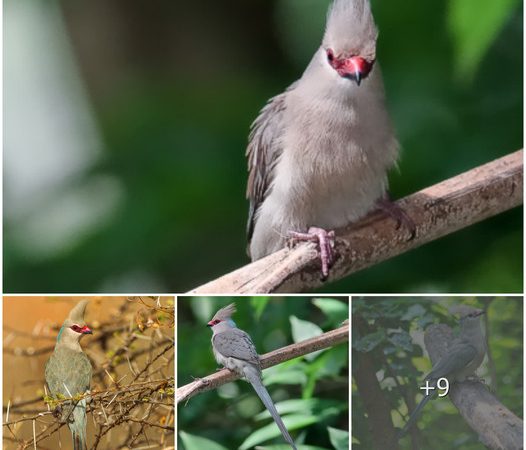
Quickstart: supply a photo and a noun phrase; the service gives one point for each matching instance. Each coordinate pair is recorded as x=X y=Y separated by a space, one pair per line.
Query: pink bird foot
x=324 y=239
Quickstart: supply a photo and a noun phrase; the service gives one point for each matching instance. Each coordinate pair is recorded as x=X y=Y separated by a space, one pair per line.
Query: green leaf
x=271 y=430
x=401 y=339
x=192 y=442
x=292 y=376
x=369 y=341
x=339 y=438
x=287 y=447
x=336 y=310
x=332 y=361
x=315 y=406
x=474 y=25
x=414 y=311
x=302 y=330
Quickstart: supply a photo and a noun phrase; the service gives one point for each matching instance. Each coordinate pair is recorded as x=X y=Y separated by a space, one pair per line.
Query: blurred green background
x=310 y=392
x=126 y=124
x=390 y=331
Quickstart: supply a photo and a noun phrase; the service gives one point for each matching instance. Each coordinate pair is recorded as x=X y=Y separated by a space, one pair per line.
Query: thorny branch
x=132 y=388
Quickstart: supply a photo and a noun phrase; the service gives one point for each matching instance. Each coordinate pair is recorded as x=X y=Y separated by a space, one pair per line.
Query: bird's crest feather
x=225 y=313
x=351 y=28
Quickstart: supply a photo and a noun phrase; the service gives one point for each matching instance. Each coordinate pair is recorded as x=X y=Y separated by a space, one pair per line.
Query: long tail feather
x=414 y=415
x=269 y=404
x=78 y=426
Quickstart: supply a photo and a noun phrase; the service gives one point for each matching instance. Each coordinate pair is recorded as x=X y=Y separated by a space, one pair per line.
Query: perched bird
x=234 y=350
x=465 y=355
x=319 y=153
x=68 y=373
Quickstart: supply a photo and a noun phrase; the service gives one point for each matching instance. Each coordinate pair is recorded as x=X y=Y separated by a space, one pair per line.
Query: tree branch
x=497 y=427
x=329 y=339
x=436 y=211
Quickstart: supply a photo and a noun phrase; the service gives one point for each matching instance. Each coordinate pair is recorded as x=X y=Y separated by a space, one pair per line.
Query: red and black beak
x=86 y=330
x=354 y=68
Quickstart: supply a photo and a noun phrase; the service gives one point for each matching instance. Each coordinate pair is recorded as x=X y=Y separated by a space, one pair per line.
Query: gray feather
x=263 y=153
x=255 y=380
x=68 y=373
x=235 y=343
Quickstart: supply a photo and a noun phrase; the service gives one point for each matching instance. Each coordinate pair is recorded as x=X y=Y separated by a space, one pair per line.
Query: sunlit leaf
x=192 y=442
x=302 y=330
x=474 y=25
x=336 y=310
x=271 y=430
x=339 y=438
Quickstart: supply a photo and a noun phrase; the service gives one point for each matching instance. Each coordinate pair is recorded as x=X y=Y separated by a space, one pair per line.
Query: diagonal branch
x=436 y=211
x=497 y=427
x=273 y=358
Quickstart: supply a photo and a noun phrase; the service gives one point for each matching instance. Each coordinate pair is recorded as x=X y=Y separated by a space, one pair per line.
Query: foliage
x=173 y=98
x=309 y=392
x=394 y=338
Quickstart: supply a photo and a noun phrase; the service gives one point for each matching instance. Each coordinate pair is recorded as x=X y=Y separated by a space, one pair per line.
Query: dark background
x=171 y=89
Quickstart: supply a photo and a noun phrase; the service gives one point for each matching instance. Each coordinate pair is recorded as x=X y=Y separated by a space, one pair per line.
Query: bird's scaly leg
x=325 y=241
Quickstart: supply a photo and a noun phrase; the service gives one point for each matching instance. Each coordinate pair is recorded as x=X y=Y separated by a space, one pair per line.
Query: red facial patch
x=354 y=67
x=213 y=322
x=82 y=330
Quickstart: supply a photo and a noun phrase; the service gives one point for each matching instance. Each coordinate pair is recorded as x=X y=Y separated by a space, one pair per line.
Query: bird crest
x=351 y=28
x=225 y=313
x=76 y=315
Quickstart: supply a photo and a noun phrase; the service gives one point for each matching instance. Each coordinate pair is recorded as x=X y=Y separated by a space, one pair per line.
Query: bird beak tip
x=358 y=78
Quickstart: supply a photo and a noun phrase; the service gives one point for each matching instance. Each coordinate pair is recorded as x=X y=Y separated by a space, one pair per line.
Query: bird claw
x=395 y=211
x=325 y=241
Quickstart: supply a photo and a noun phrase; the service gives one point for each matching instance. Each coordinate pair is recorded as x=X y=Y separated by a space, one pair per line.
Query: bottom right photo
x=437 y=372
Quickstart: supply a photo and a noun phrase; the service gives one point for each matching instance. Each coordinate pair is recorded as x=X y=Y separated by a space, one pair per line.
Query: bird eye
x=75 y=328
x=330 y=55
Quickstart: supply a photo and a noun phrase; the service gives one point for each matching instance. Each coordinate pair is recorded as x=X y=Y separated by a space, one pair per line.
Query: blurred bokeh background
x=311 y=392
x=126 y=124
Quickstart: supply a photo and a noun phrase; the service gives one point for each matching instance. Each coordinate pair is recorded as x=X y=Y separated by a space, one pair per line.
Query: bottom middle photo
x=293 y=352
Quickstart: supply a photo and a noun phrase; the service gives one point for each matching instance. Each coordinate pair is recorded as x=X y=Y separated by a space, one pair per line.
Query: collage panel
x=141 y=134
x=437 y=373
x=294 y=353
x=88 y=372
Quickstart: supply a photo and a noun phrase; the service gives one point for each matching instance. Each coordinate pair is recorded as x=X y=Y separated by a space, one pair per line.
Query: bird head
x=224 y=315
x=466 y=313
x=350 y=39
x=74 y=327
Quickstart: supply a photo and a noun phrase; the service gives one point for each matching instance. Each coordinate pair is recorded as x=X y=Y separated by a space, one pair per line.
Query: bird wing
x=235 y=343
x=458 y=357
x=68 y=372
x=263 y=152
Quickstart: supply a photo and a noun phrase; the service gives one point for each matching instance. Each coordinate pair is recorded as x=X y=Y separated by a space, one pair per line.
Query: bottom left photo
x=88 y=372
